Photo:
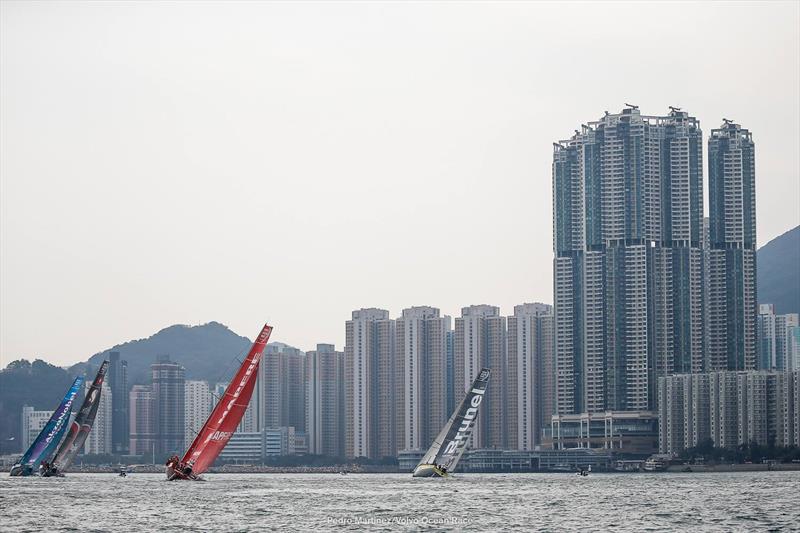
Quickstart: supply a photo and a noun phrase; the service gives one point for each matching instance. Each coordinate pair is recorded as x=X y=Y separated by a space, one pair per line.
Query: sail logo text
x=221 y=435
x=466 y=425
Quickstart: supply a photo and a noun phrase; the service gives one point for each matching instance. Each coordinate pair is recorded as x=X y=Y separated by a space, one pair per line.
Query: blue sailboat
x=49 y=437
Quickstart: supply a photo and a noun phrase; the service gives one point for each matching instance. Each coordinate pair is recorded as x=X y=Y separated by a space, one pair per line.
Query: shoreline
x=673 y=469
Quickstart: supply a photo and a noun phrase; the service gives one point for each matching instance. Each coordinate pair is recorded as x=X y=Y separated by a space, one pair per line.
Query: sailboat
x=79 y=429
x=449 y=445
x=221 y=425
x=49 y=437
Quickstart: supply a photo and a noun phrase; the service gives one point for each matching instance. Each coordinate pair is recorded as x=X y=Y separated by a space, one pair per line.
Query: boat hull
x=20 y=471
x=428 y=471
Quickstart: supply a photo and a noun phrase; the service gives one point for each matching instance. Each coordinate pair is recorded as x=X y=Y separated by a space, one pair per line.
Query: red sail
x=222 y=423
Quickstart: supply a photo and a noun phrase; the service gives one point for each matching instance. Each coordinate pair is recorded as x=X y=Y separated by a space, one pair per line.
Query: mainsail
x=450 y=443
x=50 y=435
x=222 y=423
x=82 y=425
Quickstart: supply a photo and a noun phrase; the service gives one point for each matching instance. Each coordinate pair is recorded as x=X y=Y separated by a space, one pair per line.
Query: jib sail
x=450 y=443
x=51 y=433
x=229 y=411
x=82 y=425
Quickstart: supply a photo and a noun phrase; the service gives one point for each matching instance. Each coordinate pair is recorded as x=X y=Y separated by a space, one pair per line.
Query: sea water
x=749 y=501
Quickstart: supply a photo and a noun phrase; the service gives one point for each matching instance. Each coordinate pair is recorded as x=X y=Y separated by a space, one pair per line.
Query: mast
x=82 y=425
x=227 y=414
x=50 y=435
x=450 y=443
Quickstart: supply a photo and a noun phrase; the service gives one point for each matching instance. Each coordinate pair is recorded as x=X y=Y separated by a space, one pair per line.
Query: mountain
x=207 y=352
x=778 y=272
x=38 y=384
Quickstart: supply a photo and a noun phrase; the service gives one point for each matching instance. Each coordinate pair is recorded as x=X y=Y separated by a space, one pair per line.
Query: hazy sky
x=185 y=162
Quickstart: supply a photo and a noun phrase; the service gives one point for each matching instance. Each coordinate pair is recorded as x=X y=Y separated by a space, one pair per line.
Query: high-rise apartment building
x=421 y=383
x=370 y=385
x=100 y=439
x=282 y=382
x=118 y=386
x=142 y=420
x=197 y=406
x=480 y=341
x=732 y=218
x=775 y=335
x=324 y=375
x=168 y=393
x=730 y=408
x=628 y=269
x=530 y=358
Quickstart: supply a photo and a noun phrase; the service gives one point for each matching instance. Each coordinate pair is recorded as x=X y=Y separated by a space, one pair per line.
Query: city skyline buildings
x=628 y=261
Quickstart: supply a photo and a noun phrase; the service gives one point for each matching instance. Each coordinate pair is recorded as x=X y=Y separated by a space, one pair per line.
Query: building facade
x=730 y=408
x=628 y=266
x=100 y=439
x=421 y=383
x=480 y=341
x=142 y=420
x=168 y=389
x=118 y=386
x=33 y=422
x=370 y=385
x=732 y=218
x=324 y=375
x=197 y=407
x=776 y=339
x=529 y=384
x=282 y=388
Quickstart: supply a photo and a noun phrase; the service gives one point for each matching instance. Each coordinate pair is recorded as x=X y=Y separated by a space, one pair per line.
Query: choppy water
x=763 y=501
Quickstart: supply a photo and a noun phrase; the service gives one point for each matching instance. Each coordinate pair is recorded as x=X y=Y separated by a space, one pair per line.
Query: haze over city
x=177 y=163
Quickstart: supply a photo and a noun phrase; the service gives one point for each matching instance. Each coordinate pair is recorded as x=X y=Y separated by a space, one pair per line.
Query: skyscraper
x=775 y=348
x=118 y=386
x=421 y=384
x=627 y=224
x=197 y=407
x=281 y=378
x=168 y=394
x=325 y=401
x=370 y=374
x=480 y=341
x=530 y=356
x=732 y=287
x=100 y=439
x=142 y=420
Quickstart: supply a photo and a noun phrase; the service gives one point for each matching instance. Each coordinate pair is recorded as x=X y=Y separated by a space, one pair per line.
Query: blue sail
x=50 y=435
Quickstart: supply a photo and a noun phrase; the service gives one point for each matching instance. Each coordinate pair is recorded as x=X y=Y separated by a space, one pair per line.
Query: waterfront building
x=370 y=370
x=628 y=265
x=421 y=383
x=168 y=394
x=730 y=408
x=732 y=285
x=480 y=341
x=142 y=420
x=244 y=448
x=118 y=386
x=197 y=408
x=628 y=432
x=324 y=375
x=529 y=382
x=279 y=441
x=100 y=439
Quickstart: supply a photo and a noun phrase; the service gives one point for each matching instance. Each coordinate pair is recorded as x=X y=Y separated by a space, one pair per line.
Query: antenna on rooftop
x=631 y=106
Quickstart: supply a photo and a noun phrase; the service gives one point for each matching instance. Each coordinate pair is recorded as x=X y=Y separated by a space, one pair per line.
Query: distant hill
x=207 y=352
x=38 y=384
x=778 y=272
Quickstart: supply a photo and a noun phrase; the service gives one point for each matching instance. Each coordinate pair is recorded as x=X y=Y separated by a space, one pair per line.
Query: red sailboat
x=221 y=425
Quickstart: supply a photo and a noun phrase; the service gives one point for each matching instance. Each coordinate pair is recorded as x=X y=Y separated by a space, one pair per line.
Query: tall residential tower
x=628 y=273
